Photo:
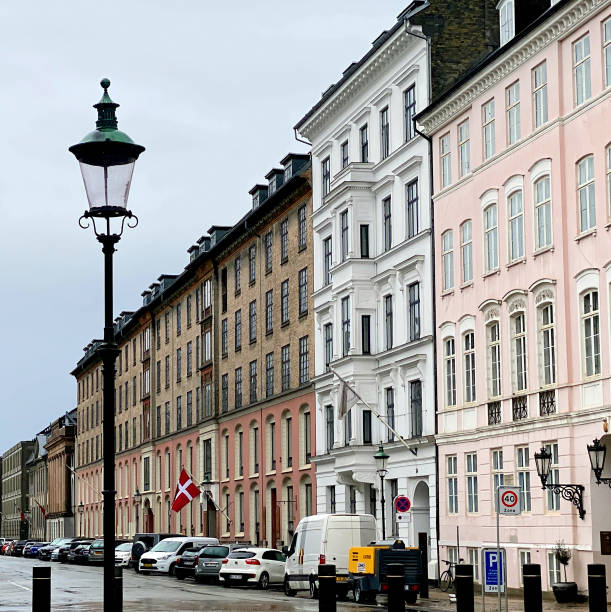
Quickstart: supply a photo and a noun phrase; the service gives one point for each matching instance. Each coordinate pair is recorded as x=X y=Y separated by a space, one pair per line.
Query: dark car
x=210 y=560
x=187 y=562
x=18 y=547
x=96 y=552
x=44 y=553
x=79 y=554
x=31 y=550
x=62 y=551
x=143 y=542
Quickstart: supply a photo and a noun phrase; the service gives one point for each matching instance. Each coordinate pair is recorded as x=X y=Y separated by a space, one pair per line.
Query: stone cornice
x=557 y=27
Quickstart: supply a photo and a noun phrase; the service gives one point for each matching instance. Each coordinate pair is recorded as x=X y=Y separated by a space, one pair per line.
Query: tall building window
x=189 y=310
x=252 y=263
x=286 y=367
x=328 y=339
x=303 y=291
x=284 y=241
x=512 y=108
x=189 y=409
x=304 y=361
x=518 y=324
x=224 y=337
x=269 y=311
x=167 y=418
x=415 y=404
x=238 y=330
x=446 y=160
x=345 y=325
x=269 y=254
x=178 y=318
x=494 y=358
x=307 y=438
x=412 y=208
x=585 y=193
x=348 y=427
x=523 y=467
x=327 y=263
x=344 y=153
x=158 y=421
x=208 y=291
x=167 y=371
x=325 y=169
x=225 y=392
x=238 y=388
x=548 y=344
x=178 y=370
x=366 y=426
x=464 y=149
x=332 y=506
x=269 y=374
x=450 y=371
x=452 y=479
x=591 y=333
x=178 y=413
x=384 y=133
x=516 y=225
x=491 y=238
x=255 y=450
x=284 y=302
x=498 y=477
x=364 y=241
x=344 y=234
x=469 y=364
x=387 y=212
x=543 y=212
x=472 y=487
x=488 y=129
x=506 y=21
x=390 y=411
x=252 y=321
x=447 y=256
x=539 y=85
x=236 y=274
x=388 y=321
x=607 y=50
x=302 y=227
x=581 y=69
x=364 y=137
x=553 y=499
x=207 y=399
x=366 y=334
x=253 y=380
x=330 y=427
x=409 y=111
x=466 y=251
x=413 y=291
x=288 y=432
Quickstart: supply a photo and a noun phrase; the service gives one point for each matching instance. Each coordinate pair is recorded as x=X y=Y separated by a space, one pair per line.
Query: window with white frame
x=547 y=344
x=387 y=214
x=506 y=21
x=523 y=467
x=390 y=411
x=328 y=340
x=345 y=325
x=449 y=356
x=585 y=193
x=491 y=238
x=488 y=129
x=364 y=138
x=409 y=111
x=512 y=108
x=590 y=324
x=384 y=133
x=466 y=251
x=344 y=234
x=607 y=50
x=327 y=256
x=388 y=321
x=447 y=255
x=344 y=153
x=524 y=559
x=325 y=169
x=412 y=207
x=515 y=209
x=469 y=365
x=543 y=212
x=539 y=86
x=498 y=477
x=414 y=311
x=518 y=330
x=553 y=499
x=553 y=568
x=473 y=559
x=444 y=153
x=452 y=479
x=581 y=69
x=472 y=486
x=464 y=149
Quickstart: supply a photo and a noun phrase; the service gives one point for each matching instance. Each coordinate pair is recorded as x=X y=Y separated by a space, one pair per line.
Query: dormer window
x=256 y=200
x=506 y=20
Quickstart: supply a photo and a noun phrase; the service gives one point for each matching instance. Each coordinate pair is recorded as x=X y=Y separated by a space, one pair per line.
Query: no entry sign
x=509 y=500
x=402 y=503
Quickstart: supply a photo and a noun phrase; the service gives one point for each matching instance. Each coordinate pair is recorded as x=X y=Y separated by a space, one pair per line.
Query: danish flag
x=186 y=490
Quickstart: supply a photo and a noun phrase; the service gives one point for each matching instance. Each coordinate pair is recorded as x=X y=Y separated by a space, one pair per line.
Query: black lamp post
x=81 y=509
x=569 y=492
x=107 y=157
x=137 y=498
x=381 y=458
x=597 y=453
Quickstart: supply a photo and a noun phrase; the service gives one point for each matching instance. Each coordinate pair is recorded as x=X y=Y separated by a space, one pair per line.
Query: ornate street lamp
x=107 y=157
x=597 y=453
x=137 y=499
x=81 y=509
x=570 y=492
x=381 y=458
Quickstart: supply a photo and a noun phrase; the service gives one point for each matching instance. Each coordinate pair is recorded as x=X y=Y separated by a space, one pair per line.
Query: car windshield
x=166 y=546
x=98 y=544
x=241 y=554
x=124 y=547
x=214 y=552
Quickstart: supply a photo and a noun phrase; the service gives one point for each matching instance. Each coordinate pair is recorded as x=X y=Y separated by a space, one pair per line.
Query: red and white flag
x=42 y=509
x=186 y=490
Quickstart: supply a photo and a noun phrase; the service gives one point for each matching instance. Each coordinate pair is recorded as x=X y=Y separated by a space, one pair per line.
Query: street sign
x=493 y=564
x=402 y=503
x=508 y=500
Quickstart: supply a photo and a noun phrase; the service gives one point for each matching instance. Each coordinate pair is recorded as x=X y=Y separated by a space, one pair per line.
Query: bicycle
x=446 y=580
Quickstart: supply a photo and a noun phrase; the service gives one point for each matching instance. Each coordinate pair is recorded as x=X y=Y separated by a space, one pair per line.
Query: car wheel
x=171 y=570
x=287 y=589
x=357 y=593
x=264 y=581
x=313 y=590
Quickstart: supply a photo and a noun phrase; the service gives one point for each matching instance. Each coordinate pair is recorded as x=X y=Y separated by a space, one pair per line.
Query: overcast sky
x=211 y=89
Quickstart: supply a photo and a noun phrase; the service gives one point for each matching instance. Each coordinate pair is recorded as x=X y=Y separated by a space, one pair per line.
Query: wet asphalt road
x=79 y=588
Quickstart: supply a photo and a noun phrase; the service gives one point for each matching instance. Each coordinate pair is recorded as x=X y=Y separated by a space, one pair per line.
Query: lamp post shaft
x=383 y=503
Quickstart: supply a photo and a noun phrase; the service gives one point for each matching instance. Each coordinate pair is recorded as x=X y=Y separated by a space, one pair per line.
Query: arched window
x=491 y=238
x=543 y=212
x=469 y=366
x=590 y=323
x=449 y=357
x=515 y=210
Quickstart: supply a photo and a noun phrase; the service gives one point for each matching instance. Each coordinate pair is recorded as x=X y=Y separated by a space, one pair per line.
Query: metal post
x=327 y=583
x=383 y=503
x=463 y=582
x=531 y=576
x=395 y=578
x=118 y=594
x=41 y=589
x=498 y=552
x=423 y=540
x=597 y=587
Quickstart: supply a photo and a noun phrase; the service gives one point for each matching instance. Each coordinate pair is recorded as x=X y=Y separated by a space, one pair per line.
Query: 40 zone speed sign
x=508 y=501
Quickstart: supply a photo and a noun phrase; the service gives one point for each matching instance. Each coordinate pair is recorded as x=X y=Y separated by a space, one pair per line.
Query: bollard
x=118 y=589
x=395 y=578
x=423 y=540
x=463 y=582
x=327 y=588
x=533 y=599
x=597 y=587
x=41 y=589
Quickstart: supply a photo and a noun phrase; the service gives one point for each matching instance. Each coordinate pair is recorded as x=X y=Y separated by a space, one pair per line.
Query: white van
x=162 y=557
x=324 y=538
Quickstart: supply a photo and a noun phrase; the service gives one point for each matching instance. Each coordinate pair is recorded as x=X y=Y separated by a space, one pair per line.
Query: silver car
x=211 y=560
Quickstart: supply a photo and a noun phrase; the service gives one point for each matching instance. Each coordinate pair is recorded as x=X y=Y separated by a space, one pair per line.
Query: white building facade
x=373 y=286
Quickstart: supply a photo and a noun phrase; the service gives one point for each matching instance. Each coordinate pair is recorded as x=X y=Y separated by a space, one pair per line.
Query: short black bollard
x=533 y=599
x=597 y=587
x=41 y=589
x=118 y=589
x=463 y=581
x=423 y=541
x=327 y=601
x=395 y=578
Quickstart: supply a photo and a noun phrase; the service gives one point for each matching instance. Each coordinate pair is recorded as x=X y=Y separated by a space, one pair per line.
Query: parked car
x=96 y=552
x=44 y=554
x=324 y=538
x=123 y=553
x=210 y=558
x=61 y=553
x=31 y=550
x=5 y=547
x=18 y=546
x=143 y=542
x=79 y=554
x=260 y=566
x=162 y=557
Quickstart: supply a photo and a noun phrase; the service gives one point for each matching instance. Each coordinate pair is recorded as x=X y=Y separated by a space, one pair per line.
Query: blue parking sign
x=493 y=565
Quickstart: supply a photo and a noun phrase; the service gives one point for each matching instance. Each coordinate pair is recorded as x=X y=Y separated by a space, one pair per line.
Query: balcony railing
x=519 y=407
x=547 y=402
x=494 y=413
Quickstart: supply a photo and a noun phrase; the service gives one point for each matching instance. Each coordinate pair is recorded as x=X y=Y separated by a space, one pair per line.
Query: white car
x=260 y=566
x=122 y=554
x=162 y=557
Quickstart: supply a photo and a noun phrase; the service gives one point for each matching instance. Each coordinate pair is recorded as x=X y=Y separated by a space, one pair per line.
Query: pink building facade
x=522 y=177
